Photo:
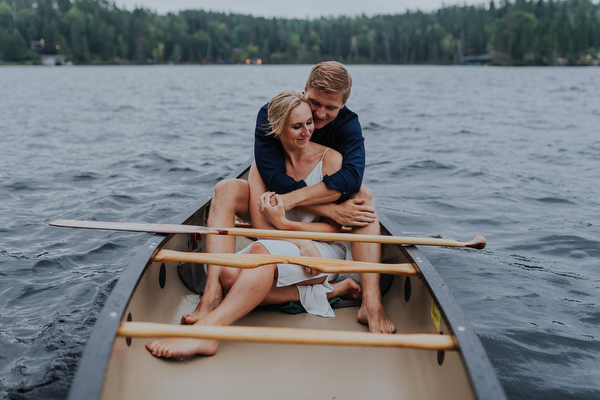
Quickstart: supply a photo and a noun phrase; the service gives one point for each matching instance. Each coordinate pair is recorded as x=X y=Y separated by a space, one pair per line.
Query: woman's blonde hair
x=280 y=107
x=330 y=77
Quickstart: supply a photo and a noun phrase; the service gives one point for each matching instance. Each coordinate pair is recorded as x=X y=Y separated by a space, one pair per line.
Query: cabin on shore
x=49 y=59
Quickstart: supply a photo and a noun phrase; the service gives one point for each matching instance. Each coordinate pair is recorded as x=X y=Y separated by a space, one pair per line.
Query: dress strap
x=325 y=152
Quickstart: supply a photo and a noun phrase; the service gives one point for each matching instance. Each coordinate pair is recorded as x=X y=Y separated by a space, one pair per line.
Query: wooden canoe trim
x=287 y=335
x=478 y=242
x=325 y=265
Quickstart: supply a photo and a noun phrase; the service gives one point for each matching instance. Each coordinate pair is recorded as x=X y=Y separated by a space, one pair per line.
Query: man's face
x=324 y=106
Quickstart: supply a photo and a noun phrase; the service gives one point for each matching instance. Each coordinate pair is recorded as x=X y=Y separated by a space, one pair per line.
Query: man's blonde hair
x=280 y=107
x=330 y=77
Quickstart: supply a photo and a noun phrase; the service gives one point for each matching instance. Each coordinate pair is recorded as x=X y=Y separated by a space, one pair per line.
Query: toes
x=161 y=350
x=188 y=319
x=157 y=350
x=154 y=347
x=385 y=327
x=150 y=347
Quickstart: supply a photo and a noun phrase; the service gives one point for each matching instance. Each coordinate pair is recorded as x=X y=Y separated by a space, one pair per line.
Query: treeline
x=523 y=32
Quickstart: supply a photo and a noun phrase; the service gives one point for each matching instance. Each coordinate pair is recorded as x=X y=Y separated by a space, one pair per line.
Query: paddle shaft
x=287 y=335
x=326 y=265
x=479 y=242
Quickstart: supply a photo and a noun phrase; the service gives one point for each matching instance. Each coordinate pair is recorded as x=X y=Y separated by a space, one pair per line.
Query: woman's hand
x=271 y=207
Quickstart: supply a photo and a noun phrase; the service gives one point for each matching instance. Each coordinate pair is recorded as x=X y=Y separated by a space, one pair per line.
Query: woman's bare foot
x=348 y=287
x=179 y=347
x=207 y=303
x=373 y=315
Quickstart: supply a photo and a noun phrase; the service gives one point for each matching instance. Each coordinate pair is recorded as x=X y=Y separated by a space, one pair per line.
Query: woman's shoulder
x=332 y=161
x=325 y=153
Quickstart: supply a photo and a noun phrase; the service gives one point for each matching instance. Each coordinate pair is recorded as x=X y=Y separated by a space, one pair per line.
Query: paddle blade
x=478 y=243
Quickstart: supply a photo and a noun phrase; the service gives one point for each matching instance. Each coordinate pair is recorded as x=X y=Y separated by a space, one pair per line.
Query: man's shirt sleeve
x=348 y=140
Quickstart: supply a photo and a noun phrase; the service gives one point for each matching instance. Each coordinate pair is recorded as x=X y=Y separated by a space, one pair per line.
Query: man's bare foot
x=179 y=347
x=374 y=316
x=206 y=305
x=348 y=287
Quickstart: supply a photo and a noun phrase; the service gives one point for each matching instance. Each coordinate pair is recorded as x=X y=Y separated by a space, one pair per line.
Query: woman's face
x=299 y=128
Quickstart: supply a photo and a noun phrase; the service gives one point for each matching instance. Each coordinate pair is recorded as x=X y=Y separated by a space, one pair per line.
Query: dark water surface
x=513 y=154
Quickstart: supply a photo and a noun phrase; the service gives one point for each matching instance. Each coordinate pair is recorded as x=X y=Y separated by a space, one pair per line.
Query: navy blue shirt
x=343 y=134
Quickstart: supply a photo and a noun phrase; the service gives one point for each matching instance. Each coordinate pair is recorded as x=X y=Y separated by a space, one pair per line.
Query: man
x=339 y=197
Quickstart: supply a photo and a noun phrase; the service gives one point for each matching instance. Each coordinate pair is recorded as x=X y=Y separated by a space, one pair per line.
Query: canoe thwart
x=325 y=265
x=287 y=335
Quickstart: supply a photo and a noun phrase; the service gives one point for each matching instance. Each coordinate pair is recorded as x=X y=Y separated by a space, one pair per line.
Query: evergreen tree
x=518 y=32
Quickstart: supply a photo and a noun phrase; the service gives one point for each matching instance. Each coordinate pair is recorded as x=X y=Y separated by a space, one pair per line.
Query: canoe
x=116 y=365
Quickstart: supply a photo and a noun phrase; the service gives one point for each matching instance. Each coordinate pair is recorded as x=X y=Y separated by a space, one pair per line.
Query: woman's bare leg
x=248 y=291
x=231 y=199
x=233 y=196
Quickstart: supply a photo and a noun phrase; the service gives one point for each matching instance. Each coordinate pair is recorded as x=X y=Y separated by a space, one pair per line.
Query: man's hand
x=308 y=249
x=353 y=212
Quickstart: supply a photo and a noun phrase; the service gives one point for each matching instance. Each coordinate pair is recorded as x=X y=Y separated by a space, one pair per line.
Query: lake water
x=512 y=154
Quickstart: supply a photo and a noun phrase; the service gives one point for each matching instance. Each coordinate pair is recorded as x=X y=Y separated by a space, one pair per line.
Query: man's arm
x=339 y=186
x=345 y=136
x=309 y=196
x=318 y=199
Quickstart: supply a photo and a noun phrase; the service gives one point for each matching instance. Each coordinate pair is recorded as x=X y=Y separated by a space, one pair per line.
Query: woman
x=290 y=118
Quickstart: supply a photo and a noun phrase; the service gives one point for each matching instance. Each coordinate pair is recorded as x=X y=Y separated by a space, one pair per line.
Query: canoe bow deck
x=114 y=367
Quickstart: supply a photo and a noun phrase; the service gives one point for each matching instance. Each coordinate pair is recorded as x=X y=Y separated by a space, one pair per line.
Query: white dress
x=312 y=297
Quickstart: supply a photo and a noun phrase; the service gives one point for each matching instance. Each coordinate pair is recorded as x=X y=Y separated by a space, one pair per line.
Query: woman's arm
x=273 y=216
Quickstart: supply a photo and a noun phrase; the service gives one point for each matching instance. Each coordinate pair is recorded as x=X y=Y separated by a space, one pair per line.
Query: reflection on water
x=452 y=152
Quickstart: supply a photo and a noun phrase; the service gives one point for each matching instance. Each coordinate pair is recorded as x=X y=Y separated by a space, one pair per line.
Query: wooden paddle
x=478 y=242
x=287 y=335
x=325 y=265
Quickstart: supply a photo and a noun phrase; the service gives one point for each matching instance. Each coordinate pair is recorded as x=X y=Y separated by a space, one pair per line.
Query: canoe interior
x=275 y=371
x=153 y=292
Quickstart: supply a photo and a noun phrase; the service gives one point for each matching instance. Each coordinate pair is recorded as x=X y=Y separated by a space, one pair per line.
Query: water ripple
x=462 y=151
